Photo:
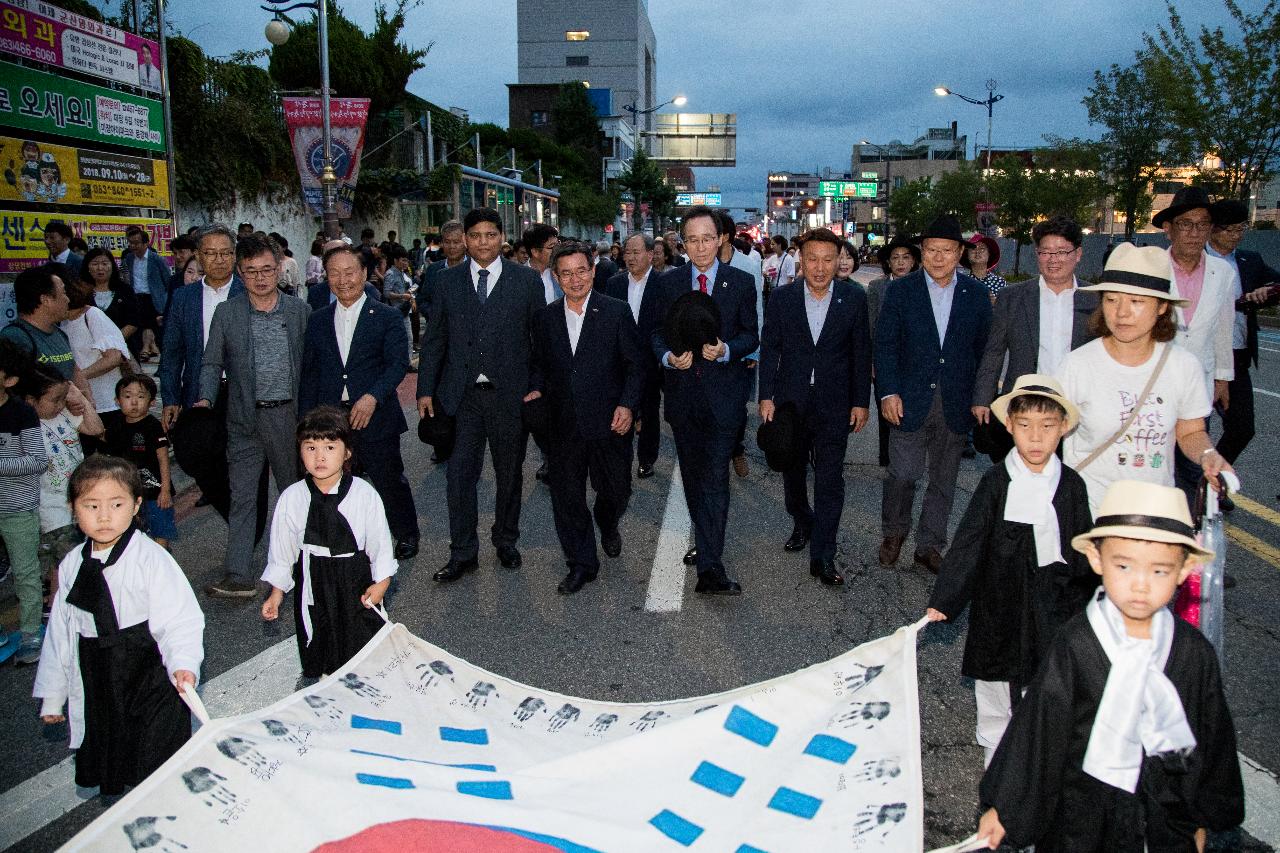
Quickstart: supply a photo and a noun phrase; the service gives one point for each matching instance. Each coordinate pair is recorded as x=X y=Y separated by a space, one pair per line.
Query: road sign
x=691 y=199
x=870 y=176
x=847 y=189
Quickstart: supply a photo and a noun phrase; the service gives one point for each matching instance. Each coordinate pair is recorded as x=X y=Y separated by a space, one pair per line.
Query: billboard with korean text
x=22 y=235
x=57 y=174
x=46 y=103
x=39 y=31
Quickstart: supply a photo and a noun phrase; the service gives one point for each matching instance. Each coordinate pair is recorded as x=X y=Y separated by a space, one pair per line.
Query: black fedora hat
x=899 y=241
x=1186 y=198
x=1228 y=211
x=945 y=227
x=780 y=438
x=692 y=321
x=439 y=431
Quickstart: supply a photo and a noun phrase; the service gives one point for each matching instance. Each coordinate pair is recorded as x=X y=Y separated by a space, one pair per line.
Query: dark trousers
x=824 y=448
x=703 y=449
x=1238 y=419
x=485 y=417
x=249 y=456
x=606 y=463
x=380 y=461
x=935 y=448
x=649 y=438
x=883 y=430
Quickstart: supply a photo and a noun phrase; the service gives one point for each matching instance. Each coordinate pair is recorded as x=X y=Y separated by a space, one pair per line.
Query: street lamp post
x=888 y=183
x=277 y=33
x=992 y=97
x=636 y=112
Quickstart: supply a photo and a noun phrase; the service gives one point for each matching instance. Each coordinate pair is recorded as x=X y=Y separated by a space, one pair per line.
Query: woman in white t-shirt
x=96 y=343
x=1135 y=325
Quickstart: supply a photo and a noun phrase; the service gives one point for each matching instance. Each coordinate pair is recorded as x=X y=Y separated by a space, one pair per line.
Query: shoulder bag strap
x=1133 y=415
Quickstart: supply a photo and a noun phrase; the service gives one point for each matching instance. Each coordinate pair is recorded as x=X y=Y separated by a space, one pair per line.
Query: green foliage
x=647 y=183
x=578 y=128
x=588 y=206
x=910 y=208
x=956 y=193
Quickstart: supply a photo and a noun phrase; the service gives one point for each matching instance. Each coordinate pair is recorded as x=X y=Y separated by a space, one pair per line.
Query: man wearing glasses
x=1035 y=322
x=255 y=340
x=1204 y=324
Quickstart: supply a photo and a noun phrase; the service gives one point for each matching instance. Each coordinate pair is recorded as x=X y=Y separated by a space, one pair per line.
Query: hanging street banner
x=347 y=118
x=35 y=30
x=22 y=235
x=55 y=174
x=408 y=747
x=34 y=100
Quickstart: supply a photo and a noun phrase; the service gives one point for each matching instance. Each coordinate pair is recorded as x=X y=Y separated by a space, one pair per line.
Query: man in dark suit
x=930 y=335
x=57 y=239
x=320 y=294
x=453 y=251
x=638 y=287
x=1035 y=322
x=706 y=392
x=355 y=355
x=815 y=352
x=605 y=267
x=474 y=367
x=1258 y=289
x=589 y=364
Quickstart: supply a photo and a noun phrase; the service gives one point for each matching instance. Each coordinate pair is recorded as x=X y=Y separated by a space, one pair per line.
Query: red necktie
x=702 y=282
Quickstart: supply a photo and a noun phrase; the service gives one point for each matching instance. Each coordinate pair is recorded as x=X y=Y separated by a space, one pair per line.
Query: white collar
x=585 y=303
x=1044 y=288
x=355 y=306
x=494 y=266
x=642 y=278
x=1030 y=501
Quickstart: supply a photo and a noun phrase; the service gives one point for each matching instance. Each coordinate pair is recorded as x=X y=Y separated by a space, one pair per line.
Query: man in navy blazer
x=354 y=356
x=930 y=336
x=639 y=288
x=706 y=392
x=589 y=365
x=474 y=367
x=815 y=352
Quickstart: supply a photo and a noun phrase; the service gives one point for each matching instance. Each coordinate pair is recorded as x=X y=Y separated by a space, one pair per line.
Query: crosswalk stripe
x=666 y=580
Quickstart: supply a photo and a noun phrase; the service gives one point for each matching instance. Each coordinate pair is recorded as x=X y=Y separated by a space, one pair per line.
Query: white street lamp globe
x=277 y=32
x=679 y=100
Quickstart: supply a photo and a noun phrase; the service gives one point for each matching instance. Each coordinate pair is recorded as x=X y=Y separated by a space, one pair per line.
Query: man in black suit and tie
x=474 y=366
x=639 y=289
x=605 y=268
x=589 y=364
x=355 y=355
x=706 y=392
x=815 y=352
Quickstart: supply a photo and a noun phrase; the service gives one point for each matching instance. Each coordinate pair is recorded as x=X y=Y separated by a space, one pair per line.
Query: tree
x=587 y=206
x=910 y=208
x=1223 y=93
x=648 y=185
x=1010 y=186
x=576 y=126
x=1066 y=181
x=956 y=193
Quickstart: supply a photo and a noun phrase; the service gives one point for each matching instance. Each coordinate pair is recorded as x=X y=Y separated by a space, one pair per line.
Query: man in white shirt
x=57 y=239
x=540 y=240
x=634 y=286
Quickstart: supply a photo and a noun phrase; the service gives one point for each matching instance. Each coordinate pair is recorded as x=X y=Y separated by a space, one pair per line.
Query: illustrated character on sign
x=50 y=188
x=29 y=175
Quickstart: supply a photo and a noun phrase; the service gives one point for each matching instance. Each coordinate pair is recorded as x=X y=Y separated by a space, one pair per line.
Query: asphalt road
x=604 y=643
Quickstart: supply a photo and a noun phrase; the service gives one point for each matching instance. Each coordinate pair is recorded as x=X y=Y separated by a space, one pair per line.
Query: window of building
x=577 y=35
x=539 y=118
x=577 y=61
x=899 y=182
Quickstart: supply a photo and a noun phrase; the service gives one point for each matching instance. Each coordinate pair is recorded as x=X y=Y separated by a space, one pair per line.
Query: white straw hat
x=1140 y=271
x=1132 y=509
x=1042 y=385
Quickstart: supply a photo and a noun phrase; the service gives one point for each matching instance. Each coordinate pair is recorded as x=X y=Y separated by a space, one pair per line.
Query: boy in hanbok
x=1123 y=743
x=330 y=544
x=1011 y=561
x=125 y=637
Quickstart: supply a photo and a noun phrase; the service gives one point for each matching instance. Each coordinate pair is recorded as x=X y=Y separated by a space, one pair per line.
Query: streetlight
x=992 y=97
x=636 y=112
x=277 y=32
x=888 y=185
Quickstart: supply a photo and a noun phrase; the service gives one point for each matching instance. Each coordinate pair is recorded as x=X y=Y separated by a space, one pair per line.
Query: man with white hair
x=605 y=267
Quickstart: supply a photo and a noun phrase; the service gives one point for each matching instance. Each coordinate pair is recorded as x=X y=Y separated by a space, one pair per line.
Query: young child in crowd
x=125 y=636
x=1011 y=561
x=22 y=461
x=1123 y=743
x=48 y=393
x=135 y=435
x=330 y=540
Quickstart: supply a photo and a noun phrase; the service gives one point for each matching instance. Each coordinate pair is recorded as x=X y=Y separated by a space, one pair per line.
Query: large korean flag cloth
x=412 y=749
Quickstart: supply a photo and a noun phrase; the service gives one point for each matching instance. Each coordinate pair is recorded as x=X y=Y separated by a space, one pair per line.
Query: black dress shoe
x=716 y=582
x=799 y=538
x=611 y=543
x=644 y=472
x=691 y=556
x=575 y=580
x=541 y=474
x=455 y=569
x=407 y=549
x=508 y=556
x=826 y=571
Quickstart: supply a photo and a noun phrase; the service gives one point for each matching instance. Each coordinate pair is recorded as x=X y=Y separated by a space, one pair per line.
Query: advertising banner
x=35 y=30
x=22 y=235
x=347 y=118
x=409 y=747
x=57 y=174
x=34 y=100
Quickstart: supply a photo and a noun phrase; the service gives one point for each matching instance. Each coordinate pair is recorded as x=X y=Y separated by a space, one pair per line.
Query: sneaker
x=229 y=587
x=29 y=649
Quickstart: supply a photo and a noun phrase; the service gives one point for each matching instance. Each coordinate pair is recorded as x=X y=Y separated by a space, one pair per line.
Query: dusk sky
x=806 y=79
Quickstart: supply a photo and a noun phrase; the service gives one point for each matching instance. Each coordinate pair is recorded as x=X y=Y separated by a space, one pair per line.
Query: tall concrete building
x=608 y=44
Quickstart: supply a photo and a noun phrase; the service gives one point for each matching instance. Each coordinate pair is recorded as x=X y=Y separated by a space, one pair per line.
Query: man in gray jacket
x=255 y=340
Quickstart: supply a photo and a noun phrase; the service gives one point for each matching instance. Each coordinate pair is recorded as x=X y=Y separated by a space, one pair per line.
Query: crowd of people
x=1091 y=399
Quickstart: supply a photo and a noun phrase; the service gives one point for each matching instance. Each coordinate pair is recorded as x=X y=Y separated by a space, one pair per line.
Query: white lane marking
x=1265 y=391
x=666 y=580
x=1268 y=349
x=1261 y=802
x=259 y=681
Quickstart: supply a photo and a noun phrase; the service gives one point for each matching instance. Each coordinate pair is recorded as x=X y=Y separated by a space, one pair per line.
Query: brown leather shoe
x=890 y=548
x=930 y=559
x=740 y=466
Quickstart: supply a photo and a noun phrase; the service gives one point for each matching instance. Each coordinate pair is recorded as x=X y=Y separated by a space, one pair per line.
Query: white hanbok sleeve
x=173 y=615
x=287 y=527
x=57 y=658
x=377 y=535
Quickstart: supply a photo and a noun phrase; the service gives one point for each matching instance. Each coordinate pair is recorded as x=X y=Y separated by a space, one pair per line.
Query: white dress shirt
x=1056 y=320
x=573 y=321
x=549 y=286
x=635 y=292
x=344 y=326
x=212 y=298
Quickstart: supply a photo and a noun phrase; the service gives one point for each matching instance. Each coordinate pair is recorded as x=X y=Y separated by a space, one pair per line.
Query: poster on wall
x=35 y=30
x=22 y=235
x=34 y=100
x=347 y=118
x=57 y=174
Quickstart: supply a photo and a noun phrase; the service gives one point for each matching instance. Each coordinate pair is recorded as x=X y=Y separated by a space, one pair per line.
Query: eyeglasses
x=584 y=273
x=259 y=272
x=1192 y=227
x=1233 y=229
x=1060 y=255
x=220 y=254
x=701 y=241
